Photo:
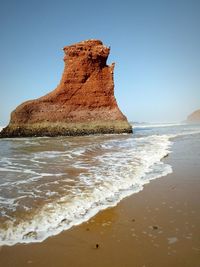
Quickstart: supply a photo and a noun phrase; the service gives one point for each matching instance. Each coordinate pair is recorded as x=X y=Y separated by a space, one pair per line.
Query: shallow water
x=50 y=184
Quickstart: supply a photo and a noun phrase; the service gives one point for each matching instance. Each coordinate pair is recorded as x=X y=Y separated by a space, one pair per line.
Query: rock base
x=65 y=129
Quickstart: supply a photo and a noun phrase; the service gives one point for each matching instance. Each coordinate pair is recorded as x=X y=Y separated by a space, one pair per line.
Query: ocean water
x=48 y=185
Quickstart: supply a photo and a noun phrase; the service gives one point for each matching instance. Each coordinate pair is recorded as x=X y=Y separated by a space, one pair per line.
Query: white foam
x=157 y=125
x=123 y=169
x=13 y=169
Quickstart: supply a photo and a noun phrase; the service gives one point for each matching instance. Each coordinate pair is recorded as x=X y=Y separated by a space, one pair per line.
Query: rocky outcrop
x=194 y=117
x=83 y=103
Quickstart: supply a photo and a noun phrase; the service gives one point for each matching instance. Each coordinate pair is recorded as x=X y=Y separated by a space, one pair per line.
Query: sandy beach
x=156 y=227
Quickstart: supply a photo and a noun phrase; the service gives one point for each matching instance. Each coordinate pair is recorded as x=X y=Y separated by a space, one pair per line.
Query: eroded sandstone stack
x=194 y=117
x=83 y=103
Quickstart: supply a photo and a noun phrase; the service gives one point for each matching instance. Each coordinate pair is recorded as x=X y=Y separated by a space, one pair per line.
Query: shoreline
x=156 y=227
x=45 y=223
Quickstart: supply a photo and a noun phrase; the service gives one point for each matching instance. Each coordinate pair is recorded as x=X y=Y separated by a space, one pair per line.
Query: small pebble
x=155 y=227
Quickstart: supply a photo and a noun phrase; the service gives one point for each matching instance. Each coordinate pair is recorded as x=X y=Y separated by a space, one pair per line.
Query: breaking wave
x=49 y=185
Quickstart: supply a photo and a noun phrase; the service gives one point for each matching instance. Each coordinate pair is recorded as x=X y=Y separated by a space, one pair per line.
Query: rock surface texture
x=194 y=117
x=83 y=103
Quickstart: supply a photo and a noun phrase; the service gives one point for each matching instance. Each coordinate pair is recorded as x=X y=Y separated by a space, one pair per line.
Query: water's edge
x=121 y=172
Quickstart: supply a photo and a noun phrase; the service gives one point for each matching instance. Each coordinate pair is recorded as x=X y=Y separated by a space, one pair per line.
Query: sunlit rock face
x=83 y=103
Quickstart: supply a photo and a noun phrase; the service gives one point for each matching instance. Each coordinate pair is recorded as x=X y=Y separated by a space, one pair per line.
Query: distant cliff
x=194 y=117
x=83 y=103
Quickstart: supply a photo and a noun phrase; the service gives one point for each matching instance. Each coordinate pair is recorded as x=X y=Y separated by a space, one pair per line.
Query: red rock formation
x=194 y=117
x=83 y=102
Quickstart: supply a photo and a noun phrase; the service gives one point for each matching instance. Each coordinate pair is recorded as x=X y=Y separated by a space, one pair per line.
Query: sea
x=48 y=185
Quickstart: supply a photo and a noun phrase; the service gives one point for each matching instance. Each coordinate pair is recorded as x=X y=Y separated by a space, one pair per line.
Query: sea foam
x=108 y=172
x=72 y=179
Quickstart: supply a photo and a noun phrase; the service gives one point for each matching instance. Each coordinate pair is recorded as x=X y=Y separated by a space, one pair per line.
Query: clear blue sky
x=155 y=44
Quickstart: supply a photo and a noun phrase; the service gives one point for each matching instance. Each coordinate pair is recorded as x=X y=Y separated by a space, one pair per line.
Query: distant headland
x=194 y=117
x=83 y=103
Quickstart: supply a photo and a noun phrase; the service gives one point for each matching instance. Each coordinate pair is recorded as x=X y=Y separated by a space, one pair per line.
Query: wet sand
x=157 y=227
